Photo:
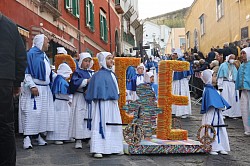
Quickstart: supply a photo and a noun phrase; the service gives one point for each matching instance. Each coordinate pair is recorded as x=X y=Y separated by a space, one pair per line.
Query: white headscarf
x=214 y=63
x=38 y=41
x=64 y=70
x=147 y=77
x=61 y=50
x=82 y=56
x=227 y=57
x=178 y=52
x=247 y=50
x=206 y=76
x=102 y=59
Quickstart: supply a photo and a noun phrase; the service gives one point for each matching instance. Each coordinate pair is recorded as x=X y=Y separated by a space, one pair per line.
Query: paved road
x=59 y=155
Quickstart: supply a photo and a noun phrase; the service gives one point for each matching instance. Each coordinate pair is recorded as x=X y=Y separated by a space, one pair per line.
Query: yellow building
x=176 y=40
x=211 y=23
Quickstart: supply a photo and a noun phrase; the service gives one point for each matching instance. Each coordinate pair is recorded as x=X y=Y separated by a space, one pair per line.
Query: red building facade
x=77 y=25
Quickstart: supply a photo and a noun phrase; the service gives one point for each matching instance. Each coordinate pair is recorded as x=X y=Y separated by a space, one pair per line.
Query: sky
x=150 y=8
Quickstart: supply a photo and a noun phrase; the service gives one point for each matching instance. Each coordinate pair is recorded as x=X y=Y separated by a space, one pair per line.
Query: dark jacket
x=12 y=52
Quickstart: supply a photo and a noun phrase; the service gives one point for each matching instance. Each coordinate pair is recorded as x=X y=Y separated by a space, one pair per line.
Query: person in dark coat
x=12 y=67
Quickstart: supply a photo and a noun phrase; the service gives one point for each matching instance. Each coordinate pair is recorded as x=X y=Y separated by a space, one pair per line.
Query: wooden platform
x=157 y=146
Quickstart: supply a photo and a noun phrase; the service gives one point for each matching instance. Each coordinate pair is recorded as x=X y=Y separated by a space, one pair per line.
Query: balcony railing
x=119 y=6
x=50 y=6
x=129 y=38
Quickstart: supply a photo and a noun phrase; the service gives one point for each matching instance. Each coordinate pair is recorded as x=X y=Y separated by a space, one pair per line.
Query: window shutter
x=76 y=8
x=105 y=29
x=101 y=26
x=67 y=4
x=92 y=17
x=86 y=12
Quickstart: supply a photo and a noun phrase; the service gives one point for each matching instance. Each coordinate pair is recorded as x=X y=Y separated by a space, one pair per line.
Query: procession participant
x=226 y=78
x=130 y=89
x=103 y=91
x=212 y=106
x=181 y=87
x=12 y=65
x=149 y=78
x=62 y=101
x=243 y=84
x=61 y=50
x=36 y=101
x=214 y=65
x=137 y=80
x=81 y=111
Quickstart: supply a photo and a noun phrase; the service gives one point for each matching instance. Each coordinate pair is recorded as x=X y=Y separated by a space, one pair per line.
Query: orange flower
x=121 y=65
x=166 y=99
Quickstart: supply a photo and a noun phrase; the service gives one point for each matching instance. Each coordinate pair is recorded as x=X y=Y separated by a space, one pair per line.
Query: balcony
x=119 y=6
x=135 y=23
x=51 y=6
x=129 y=38
x=129 y=13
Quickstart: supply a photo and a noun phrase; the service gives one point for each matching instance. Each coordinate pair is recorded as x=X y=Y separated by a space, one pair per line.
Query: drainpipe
x=79 y=35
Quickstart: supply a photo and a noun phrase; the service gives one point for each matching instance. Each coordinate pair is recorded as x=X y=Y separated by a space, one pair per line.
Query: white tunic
x=110 y=113
x=80 y=111
x=181 y=87
x=229 y=94
x=41 y=119
x=244 y=100
x=131 y=95
x=222 y=143
x=62 y=118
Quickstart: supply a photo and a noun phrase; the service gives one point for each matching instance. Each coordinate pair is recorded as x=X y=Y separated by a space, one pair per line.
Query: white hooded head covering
x=227 y=57
x=82 y=56
x=206 y=76
x=247 y=50
x=178 y=52
x=64 y=70
x=141 y=65
x=102 y=59
x=61 y=50
x=38 y=41
x=147 y=77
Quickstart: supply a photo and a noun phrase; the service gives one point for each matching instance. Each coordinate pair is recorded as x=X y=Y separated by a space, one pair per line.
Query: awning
x=57 y=39
x=23 y=32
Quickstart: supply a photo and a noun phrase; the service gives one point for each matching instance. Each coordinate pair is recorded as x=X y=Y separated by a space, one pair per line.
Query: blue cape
x=133 y=81
x=36 y=66
x=223 y=71
x=130 y=73
x=182 y=74
x=60 y=86
x=76 y=80
x=102 y=87
x=154 y=86
x=211 y=98
x=243 y=79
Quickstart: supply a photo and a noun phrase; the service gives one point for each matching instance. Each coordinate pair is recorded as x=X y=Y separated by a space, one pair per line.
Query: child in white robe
x=103 y=91
x=62 y=101
x=80 y=126
x=212 y=106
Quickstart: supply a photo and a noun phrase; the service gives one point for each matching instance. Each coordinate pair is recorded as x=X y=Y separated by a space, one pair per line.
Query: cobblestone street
x=54 y=155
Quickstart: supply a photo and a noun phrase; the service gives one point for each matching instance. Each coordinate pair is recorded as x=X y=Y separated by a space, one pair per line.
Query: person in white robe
x=62 y=101
x=61 y=50
x=212 y=106
x=243 y=84
x=36 y=100
x=80 y=126
x=137 y=80
x=103 y=91
x=180 y=86
x=226 y=78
